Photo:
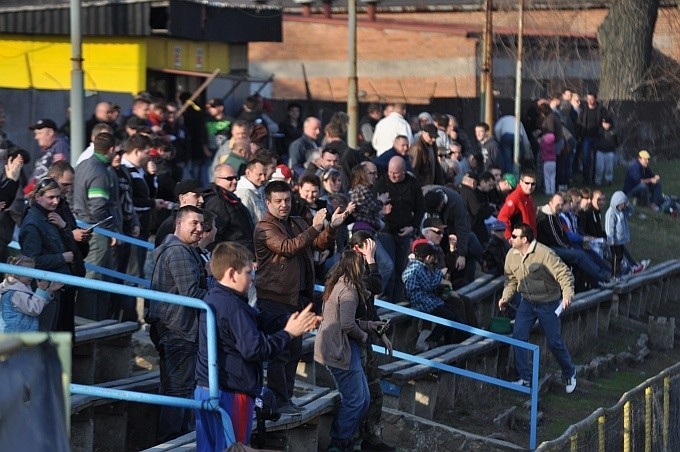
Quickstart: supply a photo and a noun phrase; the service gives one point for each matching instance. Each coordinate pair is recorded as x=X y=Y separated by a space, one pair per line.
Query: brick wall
x=413 y=56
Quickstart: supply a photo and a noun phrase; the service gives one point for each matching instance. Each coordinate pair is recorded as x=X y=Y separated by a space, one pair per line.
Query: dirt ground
x=558 y=409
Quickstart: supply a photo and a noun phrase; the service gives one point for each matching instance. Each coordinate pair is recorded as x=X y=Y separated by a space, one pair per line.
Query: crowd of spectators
x=437 y=206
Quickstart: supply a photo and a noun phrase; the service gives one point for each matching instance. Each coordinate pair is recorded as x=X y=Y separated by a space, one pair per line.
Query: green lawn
x=655 y=237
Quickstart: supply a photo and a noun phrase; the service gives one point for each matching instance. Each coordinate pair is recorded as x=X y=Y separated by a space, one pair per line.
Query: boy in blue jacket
x=245 y=339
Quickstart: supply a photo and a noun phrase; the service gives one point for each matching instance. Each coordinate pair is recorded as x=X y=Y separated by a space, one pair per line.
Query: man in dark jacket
x=285 y=275
x=402 y=223
x=233 y=220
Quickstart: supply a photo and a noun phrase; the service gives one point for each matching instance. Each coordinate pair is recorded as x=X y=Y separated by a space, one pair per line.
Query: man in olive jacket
x=546 y=288
x=284 y=247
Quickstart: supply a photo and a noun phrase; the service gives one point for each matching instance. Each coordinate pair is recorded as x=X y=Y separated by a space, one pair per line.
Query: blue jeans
x=354 y=396
x=579 y=258
x=93 y=304
x=398 y=249
x=526 y=316
x=646 y=193
x=588 y=150
x=177 y=368
x=507 y=142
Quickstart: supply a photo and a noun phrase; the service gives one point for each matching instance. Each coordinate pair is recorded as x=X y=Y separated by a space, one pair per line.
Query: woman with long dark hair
x=343 y=332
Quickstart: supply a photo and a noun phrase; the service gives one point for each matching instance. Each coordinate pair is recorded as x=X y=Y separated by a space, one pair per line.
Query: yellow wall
x=112 y=64
x=44 y=62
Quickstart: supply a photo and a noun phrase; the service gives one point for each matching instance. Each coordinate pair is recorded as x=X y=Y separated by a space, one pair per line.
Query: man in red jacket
x=519 y=206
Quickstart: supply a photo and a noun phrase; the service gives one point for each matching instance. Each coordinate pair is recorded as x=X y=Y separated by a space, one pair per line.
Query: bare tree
x=625 y=38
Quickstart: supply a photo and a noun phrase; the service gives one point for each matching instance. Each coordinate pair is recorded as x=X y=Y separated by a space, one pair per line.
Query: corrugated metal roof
x=238 y=22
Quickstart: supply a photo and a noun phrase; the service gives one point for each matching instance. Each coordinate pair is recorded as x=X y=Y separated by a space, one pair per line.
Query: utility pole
x=352 y=98
x=76 y=95
x=518 y=85
x=486 y=88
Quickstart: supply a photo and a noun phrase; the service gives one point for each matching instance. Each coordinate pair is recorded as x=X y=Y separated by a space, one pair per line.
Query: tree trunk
x=625 y=38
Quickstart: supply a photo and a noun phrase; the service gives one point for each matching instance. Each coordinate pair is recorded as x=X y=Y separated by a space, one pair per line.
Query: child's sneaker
x=422 y=345
x=523 y=382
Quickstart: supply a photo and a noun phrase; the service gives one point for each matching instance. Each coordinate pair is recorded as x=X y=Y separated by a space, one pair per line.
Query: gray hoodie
x=616 y=220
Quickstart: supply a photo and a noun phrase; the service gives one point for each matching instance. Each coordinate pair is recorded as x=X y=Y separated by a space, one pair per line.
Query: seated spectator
x=422 y=279
x=590 y=218
x=551 y=234
x=569 y=219
x=19 y=305
x=493 y=257
x=641 y=183
x=618 y=234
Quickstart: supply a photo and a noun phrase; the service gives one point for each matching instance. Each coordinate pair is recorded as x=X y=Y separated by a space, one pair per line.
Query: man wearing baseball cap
x=52 y=148
x=188 y=192
x=641 y=183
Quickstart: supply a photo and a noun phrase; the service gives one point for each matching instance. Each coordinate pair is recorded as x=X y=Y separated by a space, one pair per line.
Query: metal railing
x=211 y=404
x=533 y=390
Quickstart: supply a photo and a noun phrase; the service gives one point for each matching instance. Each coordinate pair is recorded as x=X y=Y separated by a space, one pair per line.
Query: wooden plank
x=93 y=325
x=459 y=354
x=106 y=331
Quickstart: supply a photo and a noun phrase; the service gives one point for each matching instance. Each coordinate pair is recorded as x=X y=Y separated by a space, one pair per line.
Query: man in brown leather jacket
x=284 y=247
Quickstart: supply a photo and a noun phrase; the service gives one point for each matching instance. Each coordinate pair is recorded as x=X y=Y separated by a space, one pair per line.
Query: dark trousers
x=177 y=369
x=451 y=335
x=281 y=369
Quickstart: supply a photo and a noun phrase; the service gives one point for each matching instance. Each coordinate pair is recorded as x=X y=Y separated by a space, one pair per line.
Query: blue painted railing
x=211 y=404
x=533 y=390
x=105 y=392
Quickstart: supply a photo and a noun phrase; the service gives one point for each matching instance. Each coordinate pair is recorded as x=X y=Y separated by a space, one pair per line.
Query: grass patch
x=654 y=237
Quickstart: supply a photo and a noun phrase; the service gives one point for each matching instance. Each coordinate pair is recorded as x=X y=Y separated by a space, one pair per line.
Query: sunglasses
x=229 y=178
x=46 y=184
x=530 y=184
x=444 y=155
x=516 y=236
x=330 y=173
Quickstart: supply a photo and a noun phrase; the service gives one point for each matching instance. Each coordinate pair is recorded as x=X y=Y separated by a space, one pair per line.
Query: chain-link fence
x=645 y=418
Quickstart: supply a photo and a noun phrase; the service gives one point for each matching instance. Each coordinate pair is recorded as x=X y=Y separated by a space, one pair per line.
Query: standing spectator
x=285 y=275
x=589 y=122
x=233 y=220
x=460 y=136
x=488 y=146
x=44 y=238
x=606 y=144
x=290 y=129
x=374 y=113
x=299 y=150
x=519 y=206
x=369 y=212
x=641 y=183
x=504 y=131
x=52 y=149
x=62 y=172
x=448 y=205
x=476 y=200
x=539 y=300
x=248 y=189
x=423 y=155
x=549 y=162
x=189 y=193
x=391 y=126
x=408 y=208
x=178 y=270
x=244 y=341
x=194 y=123
x=11 y=194
x=96 y=198
x=618 y=234
x=101 y=115
x=344 y=331
x=399 y=147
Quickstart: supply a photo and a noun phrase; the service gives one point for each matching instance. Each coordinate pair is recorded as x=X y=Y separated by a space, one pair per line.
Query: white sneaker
x=645 y=263
x=571 y=384
x=421 y=343
x=523 y=382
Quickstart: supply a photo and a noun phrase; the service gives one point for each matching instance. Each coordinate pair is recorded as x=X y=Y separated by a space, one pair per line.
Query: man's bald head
x=396 y=169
